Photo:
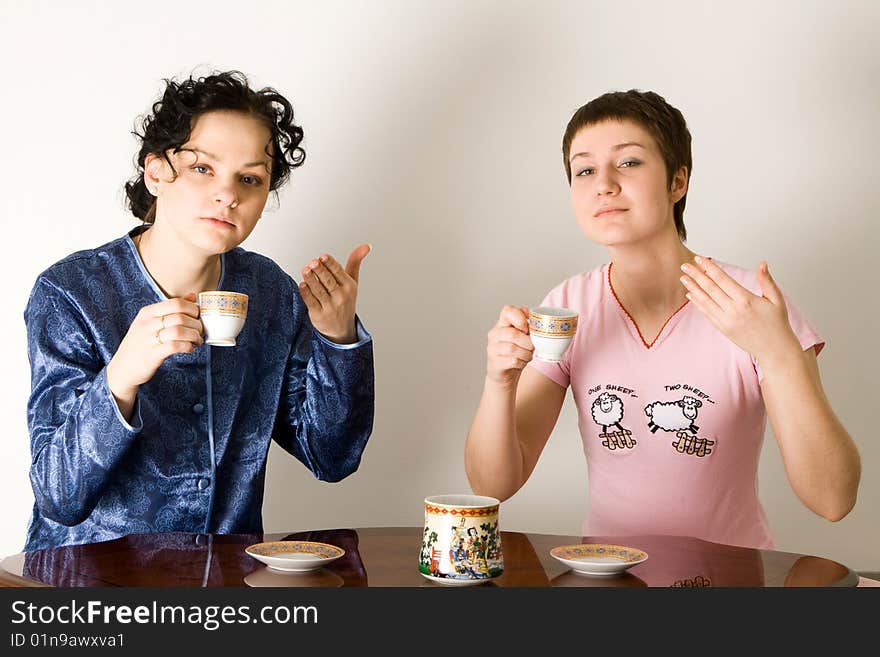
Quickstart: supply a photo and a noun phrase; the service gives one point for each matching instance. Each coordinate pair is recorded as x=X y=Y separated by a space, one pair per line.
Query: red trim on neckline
x=641 y=337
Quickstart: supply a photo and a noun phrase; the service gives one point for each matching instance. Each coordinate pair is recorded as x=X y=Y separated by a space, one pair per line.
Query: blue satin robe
x=193 y=457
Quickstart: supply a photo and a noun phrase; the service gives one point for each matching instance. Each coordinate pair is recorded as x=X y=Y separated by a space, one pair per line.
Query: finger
x=309 y=299
x=181 y=333
x=705 y=304
x=511 y=335
x=508 y=349
x=177 y=347
x=355 y=258
x=695 y=279
x=325 y=276
x=721 y=278
x=336 y=269
x=516 y=317
x=183 y=305
x=180 y=319
x=769 y=288
x=511 y=363
x=316 y=287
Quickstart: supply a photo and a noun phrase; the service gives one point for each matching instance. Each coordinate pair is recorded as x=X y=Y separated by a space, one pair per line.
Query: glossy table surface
x=388 y=557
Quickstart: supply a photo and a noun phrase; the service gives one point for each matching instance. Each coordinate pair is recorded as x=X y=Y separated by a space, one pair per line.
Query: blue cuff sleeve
x=363 y=337
x=138 y=423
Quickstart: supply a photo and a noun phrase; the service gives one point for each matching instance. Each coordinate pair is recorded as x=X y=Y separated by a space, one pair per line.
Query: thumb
x=769 y=289
x=353 y=266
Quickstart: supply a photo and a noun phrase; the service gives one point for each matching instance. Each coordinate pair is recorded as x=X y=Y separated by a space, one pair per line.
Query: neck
x=646 y=277
x=175 y=268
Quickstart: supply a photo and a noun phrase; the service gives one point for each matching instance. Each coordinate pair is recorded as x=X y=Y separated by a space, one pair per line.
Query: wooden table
x=388 y=557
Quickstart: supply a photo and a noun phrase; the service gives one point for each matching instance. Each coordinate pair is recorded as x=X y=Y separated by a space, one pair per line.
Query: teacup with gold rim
x=222 y=313
x=551 y=330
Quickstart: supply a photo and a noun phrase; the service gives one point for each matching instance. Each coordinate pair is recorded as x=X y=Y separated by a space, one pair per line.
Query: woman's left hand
x=757 y=324
x=330 y=294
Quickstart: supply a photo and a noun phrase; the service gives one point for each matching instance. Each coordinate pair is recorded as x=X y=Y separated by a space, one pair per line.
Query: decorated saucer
x=598 y=558
x=295 y=556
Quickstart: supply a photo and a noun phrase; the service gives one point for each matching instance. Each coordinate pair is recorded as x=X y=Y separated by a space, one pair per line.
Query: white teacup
x=222 y=314
x=551 y=330
x=461 y=543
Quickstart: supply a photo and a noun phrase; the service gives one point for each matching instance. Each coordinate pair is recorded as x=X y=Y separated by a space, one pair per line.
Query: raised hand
x=509 y=347
x=158 y=330
x=330 y=294
x=757 y=324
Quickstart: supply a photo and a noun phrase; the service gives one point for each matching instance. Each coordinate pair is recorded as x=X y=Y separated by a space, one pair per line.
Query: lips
x=608 y=210
x=219 y=221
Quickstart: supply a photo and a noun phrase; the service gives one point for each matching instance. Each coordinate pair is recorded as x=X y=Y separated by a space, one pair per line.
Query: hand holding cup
x=157 y=331
x=509 y=347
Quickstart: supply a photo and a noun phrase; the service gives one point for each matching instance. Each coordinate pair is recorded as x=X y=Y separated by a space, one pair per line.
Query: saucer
x=295 y=556
x=598 y=558
x=453 y=581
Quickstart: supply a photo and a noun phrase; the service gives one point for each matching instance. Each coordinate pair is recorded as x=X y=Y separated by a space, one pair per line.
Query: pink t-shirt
x=672 y=431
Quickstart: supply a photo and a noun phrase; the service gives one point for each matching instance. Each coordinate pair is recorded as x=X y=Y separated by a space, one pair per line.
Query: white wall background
x=433 y=130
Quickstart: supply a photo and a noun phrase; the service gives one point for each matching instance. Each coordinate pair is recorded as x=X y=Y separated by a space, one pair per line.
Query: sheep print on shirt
x=672 y=430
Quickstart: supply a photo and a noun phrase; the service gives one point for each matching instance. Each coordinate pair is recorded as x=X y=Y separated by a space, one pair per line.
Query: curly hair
x=173 y=117
x=651 y=111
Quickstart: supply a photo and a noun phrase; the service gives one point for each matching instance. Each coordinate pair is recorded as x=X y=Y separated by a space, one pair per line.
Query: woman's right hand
x=509 y=347
x=158 y=330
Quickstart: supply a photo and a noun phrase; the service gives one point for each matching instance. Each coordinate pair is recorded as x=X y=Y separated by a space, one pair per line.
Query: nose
x=606 y=181
x=225 y=195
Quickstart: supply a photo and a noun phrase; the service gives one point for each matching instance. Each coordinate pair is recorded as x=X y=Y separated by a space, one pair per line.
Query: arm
x=82 y=415
x=821 y=460
x=516 y=414
x=509 y=432
x=325 y=415
x=77 y=432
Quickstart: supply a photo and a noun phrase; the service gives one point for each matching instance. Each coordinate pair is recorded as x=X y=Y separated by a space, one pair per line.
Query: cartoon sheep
x=607 y=411
x=673 y=416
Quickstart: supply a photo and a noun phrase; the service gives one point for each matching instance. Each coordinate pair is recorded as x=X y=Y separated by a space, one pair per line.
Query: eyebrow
x=263 y=163
x=613 y=148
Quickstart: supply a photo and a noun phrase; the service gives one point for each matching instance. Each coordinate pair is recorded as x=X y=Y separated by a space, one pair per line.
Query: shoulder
x=68 y=272
x=748 y=278
x=579 y=291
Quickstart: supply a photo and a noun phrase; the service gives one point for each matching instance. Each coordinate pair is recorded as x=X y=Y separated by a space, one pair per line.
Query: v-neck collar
x=631 y=323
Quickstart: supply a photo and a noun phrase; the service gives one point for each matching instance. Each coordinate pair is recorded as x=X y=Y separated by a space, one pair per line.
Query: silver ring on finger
x=162 y=319
x=159 y=337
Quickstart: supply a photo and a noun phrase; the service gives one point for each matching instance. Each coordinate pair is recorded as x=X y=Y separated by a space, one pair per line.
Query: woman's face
x=618 y=184
x=222 y=183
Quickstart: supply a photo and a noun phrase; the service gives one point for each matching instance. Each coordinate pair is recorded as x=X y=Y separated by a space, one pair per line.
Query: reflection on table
x=388 y=556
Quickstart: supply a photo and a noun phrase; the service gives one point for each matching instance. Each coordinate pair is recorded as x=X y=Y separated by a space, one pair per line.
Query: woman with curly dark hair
x=136 y=424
